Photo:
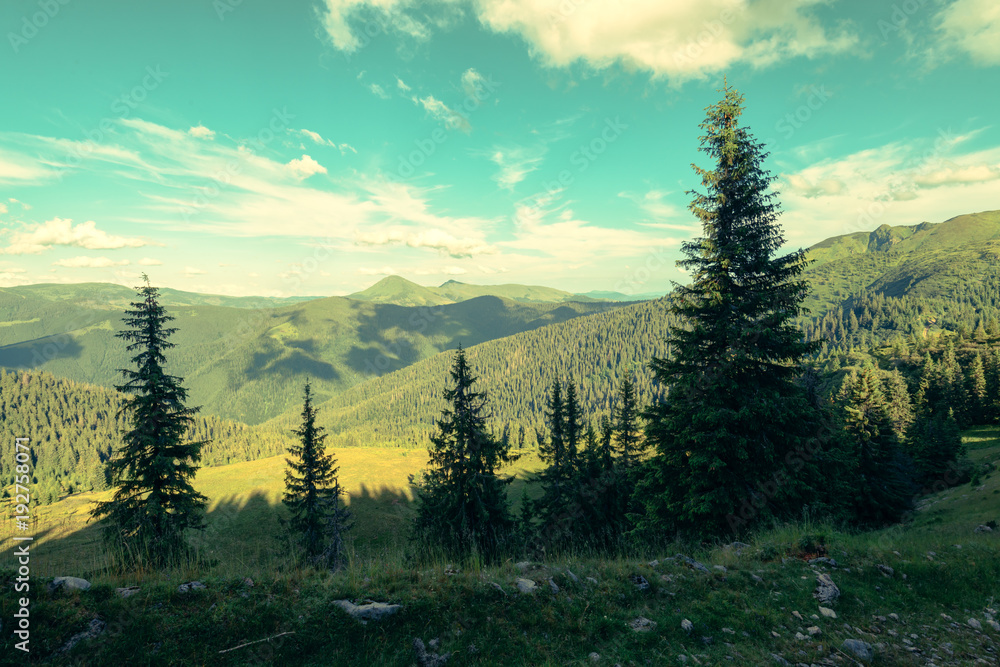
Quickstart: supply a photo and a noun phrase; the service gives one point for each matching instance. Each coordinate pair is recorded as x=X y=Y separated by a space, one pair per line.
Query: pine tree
x=884 y=476
x=626 y=425
x=313 y=491
x=462 y=502
x=899 y=405
x=733 y=412
x=979 y=408
x=154 y=502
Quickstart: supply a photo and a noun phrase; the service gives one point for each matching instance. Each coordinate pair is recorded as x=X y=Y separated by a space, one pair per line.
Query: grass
x=740 y=616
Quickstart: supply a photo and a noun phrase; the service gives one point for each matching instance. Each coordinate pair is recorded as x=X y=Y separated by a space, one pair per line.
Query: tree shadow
x=39 y=351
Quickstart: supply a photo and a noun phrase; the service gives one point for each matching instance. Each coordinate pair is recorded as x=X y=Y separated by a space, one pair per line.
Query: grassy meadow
x=758 y=607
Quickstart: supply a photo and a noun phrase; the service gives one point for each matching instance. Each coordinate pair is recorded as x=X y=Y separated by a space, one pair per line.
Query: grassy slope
x=738 y=612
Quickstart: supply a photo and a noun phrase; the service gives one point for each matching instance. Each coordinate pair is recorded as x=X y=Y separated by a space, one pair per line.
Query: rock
x=642 y=624
x=885 y=570
x=894 y=617
x=553 y=586
x=653 y=563
x=797 y=615
x=781 y=661
x=69 y=584
x=692 y=563
x=983 y=529
x=814 y=630
x=823 y=560
x=592 y=580
x=525 y=585
x=826 y=591
x=373 y=611
x=127 y=592
x=248 y=582
x=575 y=579
x=687 y=626
x=720 y=568
x=190 y=586
x=975 y=624
x=859 y=649
x=756 y=578
x=640 y=582
x=523 y=566
x=801 y=637
x=95 y=628
x=594 y=656
x=426 y=659
x=498 y=587
x=993 y=624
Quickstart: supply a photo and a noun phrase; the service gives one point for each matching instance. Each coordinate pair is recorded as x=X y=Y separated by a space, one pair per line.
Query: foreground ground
x=934 y=600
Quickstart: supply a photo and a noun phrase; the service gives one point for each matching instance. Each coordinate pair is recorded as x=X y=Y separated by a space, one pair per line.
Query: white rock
x=372 y=611
x=525 y=585
x=687 y=625
x=70 y=584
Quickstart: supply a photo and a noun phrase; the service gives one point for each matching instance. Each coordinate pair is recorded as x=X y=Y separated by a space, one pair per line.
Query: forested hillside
x=249 y=363
x=73 y=428
x=402 y=292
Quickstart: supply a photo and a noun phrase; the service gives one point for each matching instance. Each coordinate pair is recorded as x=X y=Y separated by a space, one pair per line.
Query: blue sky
x=312 y=147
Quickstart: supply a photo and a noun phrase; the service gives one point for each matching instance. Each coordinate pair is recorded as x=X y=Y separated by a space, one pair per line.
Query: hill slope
x=249 y=364
x=402 y=292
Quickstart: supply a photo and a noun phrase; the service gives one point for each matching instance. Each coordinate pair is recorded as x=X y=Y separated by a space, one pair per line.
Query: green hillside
x=249 y=364
x=402 y=292
x=594 y=351
x=117 y=297
x=73 y=428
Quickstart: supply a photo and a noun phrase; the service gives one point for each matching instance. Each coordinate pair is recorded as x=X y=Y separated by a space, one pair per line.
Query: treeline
x=74 y=427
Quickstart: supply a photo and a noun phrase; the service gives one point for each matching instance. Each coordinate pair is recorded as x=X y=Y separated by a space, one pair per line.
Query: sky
x=312 y=147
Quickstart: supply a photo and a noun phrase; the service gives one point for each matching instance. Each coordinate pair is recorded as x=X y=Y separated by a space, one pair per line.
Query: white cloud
x=379 y=91
x=384 y=271
x=305 y=166
x=472 y=83
x=3 y=208
x=441 y=112
x=20 y=169
x=682 y=39
x=12 y=278
x=653 y=203
x=149 y=261
x=60 y=231
x=202 y=132
x=402 y=86
x=83 y=262
x=972 y=26
x=437 y=239
x=894 y=184
x=192 y=271
x=515 y=164
x=318 y=139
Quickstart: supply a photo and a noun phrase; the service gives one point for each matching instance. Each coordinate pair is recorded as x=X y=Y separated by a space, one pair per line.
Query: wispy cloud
x=83 y=262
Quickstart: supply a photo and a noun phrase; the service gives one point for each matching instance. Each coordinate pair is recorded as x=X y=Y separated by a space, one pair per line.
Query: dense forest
x=73 y=428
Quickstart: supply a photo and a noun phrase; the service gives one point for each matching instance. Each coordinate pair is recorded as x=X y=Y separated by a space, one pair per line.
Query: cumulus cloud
x=808 y=189
x=60 y=231
x=83 y=262
x=681 y=39
x=149 y=261
x=955 y=174
x=202 y=132
x=305 y=166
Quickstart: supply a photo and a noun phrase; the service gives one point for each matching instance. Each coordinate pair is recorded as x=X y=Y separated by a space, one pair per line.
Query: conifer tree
x=733 y=411
x=462 y=502
x=979 y=408
x=154 y=503
x=626 y=425
x=313 y=491
x=899 y=404
x=884 y=488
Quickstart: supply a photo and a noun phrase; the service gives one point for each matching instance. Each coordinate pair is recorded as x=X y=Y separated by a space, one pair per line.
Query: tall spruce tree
x=462 y=501
x=884 y=476
x=313 y=491
x=626 y=424
x=154 y=503
x=734 y=412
